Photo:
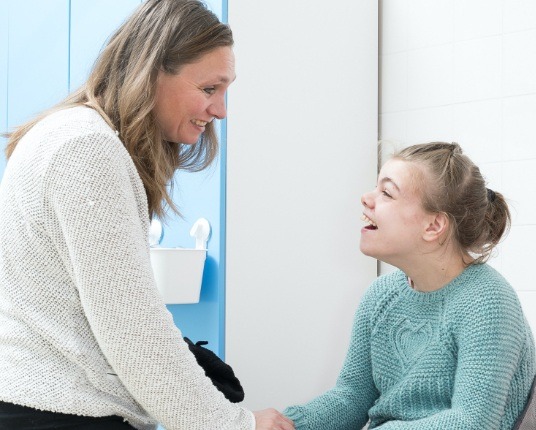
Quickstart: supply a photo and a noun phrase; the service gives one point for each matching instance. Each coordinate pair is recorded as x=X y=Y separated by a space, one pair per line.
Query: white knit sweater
x=83 y=329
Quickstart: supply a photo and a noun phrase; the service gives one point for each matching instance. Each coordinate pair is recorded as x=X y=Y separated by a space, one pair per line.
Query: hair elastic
x=491 y=195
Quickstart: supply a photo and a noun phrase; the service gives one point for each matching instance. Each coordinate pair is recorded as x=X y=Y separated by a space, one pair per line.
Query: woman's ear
x=437 y=228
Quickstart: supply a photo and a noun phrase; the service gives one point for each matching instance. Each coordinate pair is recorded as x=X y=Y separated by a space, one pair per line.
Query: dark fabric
x=16 y=417
x=219 y=372
x=527 y=420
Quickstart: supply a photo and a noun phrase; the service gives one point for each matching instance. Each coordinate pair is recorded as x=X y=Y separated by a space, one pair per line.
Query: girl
x=441 y=343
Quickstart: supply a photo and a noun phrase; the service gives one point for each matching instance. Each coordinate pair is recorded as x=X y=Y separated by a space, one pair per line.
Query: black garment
x=16 y=417
x=218 y=371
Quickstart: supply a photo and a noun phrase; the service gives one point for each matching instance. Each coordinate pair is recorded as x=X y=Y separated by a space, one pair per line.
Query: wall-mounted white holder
x=178 y=272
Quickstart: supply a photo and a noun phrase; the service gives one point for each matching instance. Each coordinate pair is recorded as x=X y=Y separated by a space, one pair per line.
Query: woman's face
x=186 y=102
x=393 y=214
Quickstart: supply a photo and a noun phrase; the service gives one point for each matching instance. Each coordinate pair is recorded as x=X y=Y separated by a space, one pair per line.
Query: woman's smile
x=187 y=102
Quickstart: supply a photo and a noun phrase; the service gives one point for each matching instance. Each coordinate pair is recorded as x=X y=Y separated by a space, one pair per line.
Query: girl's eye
x=209 y=90
x=386 y=194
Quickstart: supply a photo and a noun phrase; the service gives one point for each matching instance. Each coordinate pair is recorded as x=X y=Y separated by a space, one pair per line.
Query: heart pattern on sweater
x=411 y=339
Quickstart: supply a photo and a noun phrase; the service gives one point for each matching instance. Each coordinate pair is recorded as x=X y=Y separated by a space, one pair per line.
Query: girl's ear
x=437 y=228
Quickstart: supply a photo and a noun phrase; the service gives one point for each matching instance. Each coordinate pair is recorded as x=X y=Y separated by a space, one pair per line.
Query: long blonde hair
x=161 y=35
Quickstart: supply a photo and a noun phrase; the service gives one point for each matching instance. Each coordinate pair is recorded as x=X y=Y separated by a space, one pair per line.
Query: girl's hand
x=270 y=419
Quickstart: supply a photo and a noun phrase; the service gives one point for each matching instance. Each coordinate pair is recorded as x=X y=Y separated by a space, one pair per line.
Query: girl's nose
x=367 y=200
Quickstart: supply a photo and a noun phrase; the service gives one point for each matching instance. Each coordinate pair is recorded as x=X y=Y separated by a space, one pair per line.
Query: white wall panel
x=302 y=134
x=479 y=122
x=477 y=18
x=477 y=88
x=519 y=63
x=519 y=127
x=394 y=90
x=518 y=256
x=518 y=15
x=429 y=23
x=394 y=15
x=518 y=178
x=477 y=69
x=430 y=124
x=430 y=77
x=528 y=302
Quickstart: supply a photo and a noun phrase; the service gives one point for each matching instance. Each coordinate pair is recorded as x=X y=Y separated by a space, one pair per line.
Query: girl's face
x=394 y=217
x=186 y=102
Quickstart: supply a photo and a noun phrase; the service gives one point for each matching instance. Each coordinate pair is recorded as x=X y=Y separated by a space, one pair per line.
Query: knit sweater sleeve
x=92 y=212
x=489 y=333
x=345 y=406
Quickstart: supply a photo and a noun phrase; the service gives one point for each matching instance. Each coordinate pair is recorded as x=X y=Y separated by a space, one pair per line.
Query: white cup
x=178 y=273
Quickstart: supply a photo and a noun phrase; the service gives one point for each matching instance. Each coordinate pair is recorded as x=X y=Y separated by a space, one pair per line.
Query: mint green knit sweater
x=459 y=358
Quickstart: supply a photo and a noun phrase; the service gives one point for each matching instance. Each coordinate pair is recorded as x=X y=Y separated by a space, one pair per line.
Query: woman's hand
x=270 y=419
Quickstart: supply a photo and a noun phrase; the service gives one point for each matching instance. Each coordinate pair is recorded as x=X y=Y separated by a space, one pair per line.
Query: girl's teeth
x=368 y=220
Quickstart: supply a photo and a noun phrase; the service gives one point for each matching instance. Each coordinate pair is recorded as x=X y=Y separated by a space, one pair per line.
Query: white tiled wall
x=465 y=71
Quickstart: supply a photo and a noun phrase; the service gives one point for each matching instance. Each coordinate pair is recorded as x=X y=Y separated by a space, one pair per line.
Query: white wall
x=465 y=71
x=302 y=134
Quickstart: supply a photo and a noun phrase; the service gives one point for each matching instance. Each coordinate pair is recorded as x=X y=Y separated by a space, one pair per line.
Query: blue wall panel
x=203 y=195
x=90 y=29
x=3 y=79
x=198 y=195
x=38 y=67
x=49 y=52
x=38 y=56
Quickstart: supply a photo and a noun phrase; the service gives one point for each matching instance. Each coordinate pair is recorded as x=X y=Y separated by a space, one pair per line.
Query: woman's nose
x=217 y=109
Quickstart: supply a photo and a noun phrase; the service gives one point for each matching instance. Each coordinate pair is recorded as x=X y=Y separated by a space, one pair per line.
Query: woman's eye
x=209 y=90
x=386 y=193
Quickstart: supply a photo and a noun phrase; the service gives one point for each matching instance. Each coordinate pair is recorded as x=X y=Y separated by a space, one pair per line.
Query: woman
x=441 y=343
x=86 y=341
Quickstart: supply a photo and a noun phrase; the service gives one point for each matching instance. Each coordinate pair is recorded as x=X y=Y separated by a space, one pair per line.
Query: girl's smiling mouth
x=371 y=225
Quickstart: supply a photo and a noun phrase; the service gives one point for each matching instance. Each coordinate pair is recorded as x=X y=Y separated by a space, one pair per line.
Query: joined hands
x=270 y=419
